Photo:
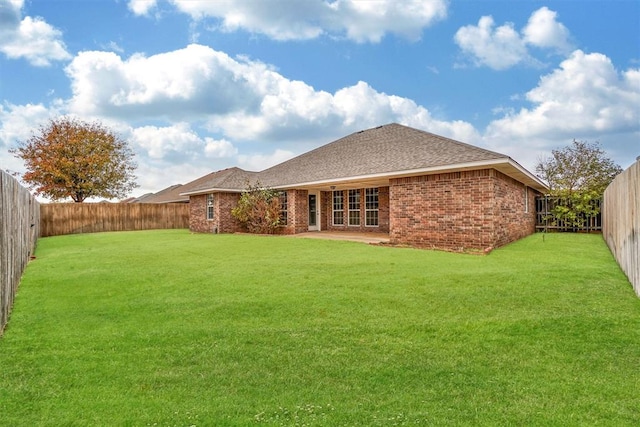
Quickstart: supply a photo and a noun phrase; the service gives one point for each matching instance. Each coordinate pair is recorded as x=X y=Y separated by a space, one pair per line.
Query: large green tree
x=577 y=174
x=70 y=158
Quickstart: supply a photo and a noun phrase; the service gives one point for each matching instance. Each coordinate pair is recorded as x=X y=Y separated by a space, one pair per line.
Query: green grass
x=169 y=328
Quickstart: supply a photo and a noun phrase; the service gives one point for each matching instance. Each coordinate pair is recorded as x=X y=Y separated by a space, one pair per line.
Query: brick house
x=423 y=189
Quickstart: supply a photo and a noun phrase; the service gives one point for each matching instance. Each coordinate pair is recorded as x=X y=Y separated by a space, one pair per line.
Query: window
x=354 y=207
x=338 y=208
x=371 y=207
x=526 y=199
x=209 y=206
x=283 y=208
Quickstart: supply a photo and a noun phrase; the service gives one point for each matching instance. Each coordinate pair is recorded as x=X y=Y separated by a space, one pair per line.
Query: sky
x=196 y=86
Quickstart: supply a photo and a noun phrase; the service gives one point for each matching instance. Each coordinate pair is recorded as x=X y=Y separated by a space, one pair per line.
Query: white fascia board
x=211 y=190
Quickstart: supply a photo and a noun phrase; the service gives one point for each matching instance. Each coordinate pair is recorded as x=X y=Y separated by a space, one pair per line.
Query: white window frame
x=357 y=195
x=210 y=207
x=335 y=210
x=371 y=192
x=284 y=208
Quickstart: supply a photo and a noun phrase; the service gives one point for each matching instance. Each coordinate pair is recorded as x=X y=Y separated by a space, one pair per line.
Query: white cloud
x=504 y=47
x=242 y=99
x=191 y=82
x=142 y=7
x=30 y=38
x=361 y=21
x=258 y=162
x=544 y=31
x=498 y=48
x=17 y=123
x=586 y=98
x=178 y=143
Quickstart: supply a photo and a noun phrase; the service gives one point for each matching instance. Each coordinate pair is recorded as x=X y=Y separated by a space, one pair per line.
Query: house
x=423 y=189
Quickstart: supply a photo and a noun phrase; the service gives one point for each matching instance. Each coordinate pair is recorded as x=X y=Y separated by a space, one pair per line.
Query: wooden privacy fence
x=20 y=219
x=72 y=218
x=621 y=226
x=545 y=221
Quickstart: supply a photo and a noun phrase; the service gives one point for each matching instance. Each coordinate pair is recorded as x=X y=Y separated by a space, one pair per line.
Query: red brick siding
x=458 y=211
x=297 y=213
x=222 y=221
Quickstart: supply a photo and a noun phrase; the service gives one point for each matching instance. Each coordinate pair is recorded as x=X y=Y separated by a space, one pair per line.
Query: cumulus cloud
x=190 y=82
x=17 y=123
x=544 y=31
x=361 y=21
x=141 y=7
x=30 y=38
x=258 y=162
x=242 y=99
x=178 y=143
x=585 y=98
x=504 y=47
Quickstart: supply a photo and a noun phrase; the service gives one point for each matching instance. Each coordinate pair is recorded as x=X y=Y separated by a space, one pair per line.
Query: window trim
x=374 y=191
x=284 y=208
x=210 y=207
x=357 y=194
x=333 y=207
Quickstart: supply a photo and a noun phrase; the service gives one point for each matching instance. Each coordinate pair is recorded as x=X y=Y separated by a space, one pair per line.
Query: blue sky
x=197 y=86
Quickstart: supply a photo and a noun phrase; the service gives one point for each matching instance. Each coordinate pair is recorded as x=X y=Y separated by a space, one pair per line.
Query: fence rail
x=20 y=219
x=73 y=218
x=621 y=228
x=545 y=221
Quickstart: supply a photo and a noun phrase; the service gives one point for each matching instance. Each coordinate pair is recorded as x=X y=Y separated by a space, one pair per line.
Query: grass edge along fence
x=19 y=229
x=621 y=222
x=73 y=218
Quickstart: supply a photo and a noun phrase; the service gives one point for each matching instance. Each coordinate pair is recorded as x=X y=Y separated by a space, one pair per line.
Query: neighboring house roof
x=372 y=157
x=231 y=179
x=168 y=195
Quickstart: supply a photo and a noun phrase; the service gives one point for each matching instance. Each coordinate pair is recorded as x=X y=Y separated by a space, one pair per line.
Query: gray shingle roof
x=385 y=150
x=226 y=179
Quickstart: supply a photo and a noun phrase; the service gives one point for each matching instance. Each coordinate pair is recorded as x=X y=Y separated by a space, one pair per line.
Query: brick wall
x=222 y=221
x=459 y=211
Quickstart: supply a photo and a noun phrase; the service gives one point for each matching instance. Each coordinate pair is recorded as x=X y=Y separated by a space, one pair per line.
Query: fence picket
x=20 y=219
x=73 y=218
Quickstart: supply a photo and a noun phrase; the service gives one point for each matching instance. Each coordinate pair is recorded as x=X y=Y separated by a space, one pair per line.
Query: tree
x=578 y=175
x=258 y=209
x=72 y=158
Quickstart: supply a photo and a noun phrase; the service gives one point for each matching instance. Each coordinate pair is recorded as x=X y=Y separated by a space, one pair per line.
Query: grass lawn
x=169 y=328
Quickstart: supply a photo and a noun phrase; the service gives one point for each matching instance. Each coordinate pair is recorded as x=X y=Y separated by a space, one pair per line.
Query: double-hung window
x=371 y=205
x=354 y=207
x=210 y=206
x=283 y=208
x=338 y=208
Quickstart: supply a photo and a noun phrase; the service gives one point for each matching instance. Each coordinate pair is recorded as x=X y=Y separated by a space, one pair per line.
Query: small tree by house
x=259 y=209
x=577 y=175
x=72 y=158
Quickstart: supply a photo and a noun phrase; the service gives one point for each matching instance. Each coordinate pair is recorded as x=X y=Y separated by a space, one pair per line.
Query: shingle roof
x=389 y=150
x=226 y=179
x=384 y=149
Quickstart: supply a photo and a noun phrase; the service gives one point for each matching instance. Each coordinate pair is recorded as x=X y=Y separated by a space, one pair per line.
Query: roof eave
x=211 y=190
x=520 y=172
